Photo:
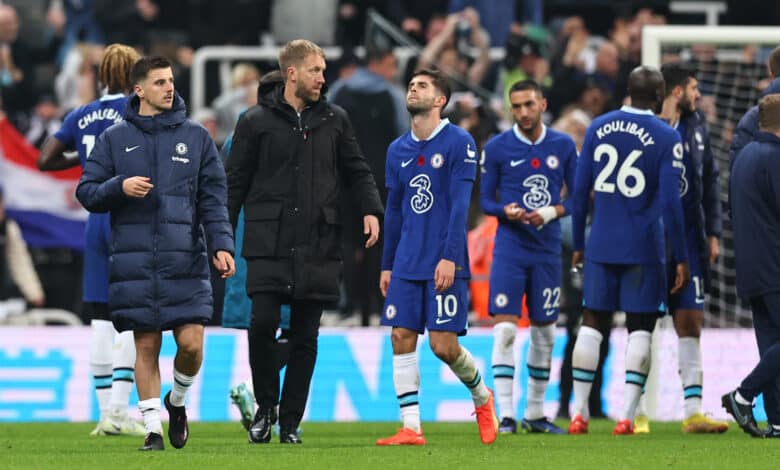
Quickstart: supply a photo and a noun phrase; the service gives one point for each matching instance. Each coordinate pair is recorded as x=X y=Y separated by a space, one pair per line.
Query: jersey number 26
x=630 y=179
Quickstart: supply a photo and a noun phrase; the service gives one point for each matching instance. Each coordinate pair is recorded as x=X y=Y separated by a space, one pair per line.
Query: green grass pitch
x=351 y=445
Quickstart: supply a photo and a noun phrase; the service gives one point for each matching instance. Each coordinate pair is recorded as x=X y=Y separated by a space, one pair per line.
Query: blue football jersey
x=532 y=174
x=429 y=186
x=630 y=160
x=83 y=125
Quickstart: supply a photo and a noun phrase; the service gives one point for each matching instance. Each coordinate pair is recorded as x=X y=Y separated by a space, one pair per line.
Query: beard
x=309 y=96
x=686 y=106
x=531 y=127
x=420 y=107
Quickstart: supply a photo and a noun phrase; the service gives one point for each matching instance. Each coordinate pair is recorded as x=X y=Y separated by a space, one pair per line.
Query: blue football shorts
x=416 y=305
x=632 y=288
x=540 y=282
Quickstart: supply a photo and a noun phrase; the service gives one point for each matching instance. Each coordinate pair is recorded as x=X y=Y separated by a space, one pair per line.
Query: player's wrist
x=548 y=214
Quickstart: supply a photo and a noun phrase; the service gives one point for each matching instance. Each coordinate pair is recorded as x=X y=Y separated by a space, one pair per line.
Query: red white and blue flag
x=43 y=204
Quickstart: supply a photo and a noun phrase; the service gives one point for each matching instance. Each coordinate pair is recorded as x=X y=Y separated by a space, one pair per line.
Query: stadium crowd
x=51 y=50
x=565 y=53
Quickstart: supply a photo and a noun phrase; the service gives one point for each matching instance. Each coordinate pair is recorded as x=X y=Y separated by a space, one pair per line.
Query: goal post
x=730 y=65
x=654 y=37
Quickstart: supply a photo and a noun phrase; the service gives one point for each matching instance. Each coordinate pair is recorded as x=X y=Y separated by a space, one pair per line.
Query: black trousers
x=264 y=352
x=765 y=377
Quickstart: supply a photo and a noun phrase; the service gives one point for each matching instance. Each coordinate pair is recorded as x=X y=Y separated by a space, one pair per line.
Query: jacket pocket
x=329 y=233
x=261 y=229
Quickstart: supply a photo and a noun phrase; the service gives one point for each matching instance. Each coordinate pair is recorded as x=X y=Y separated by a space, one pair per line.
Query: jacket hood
x=152 y=124
x=270 y=93
x=774 y=87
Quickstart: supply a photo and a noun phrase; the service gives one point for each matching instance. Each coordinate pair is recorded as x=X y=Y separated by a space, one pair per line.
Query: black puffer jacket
x=287 y=171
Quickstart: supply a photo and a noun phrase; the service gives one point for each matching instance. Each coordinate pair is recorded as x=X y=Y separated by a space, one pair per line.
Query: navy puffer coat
x=159 y=263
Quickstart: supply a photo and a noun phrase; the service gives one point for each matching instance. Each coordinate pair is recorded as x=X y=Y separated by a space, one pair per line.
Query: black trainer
x=178 y=429
x=289 y=436
x=743 y=414
x=260 y=431
x=153 y=441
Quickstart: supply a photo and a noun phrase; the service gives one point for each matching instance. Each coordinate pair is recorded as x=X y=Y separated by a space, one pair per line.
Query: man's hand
x=224 y=263
x=513 y=212
x=576 y=258
x=137 y=186
x=384 y=282
x=371 y=228
x=681 y=276
x=543 y=216
x=444 y=275
x=714 y=247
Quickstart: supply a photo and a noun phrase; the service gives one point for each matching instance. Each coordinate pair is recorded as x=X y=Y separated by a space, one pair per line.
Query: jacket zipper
x=154 y=174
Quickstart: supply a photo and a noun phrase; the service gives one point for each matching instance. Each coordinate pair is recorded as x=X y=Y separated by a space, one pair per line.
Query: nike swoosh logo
x=469 y=152
x=699 y=301
x=406 y=163
x=549 y=313
x=440 y=321
x=130 y=149
x=514 y=163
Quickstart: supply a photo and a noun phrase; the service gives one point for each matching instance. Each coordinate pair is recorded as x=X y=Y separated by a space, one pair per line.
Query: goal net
x=731 y=69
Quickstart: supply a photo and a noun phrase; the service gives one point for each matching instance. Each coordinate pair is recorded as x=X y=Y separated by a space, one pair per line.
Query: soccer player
x=523 y=172
x=699 y=191
x=627 y=160
x=112 y=356
x=425 y=268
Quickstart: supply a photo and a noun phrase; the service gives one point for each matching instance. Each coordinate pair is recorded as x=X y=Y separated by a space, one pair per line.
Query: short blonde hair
x=295 y=52
x=769 y=112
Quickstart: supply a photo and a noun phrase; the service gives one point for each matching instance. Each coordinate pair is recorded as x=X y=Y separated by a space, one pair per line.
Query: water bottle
x=576 y=273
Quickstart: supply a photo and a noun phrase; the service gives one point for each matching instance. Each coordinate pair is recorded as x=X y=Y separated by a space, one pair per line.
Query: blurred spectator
x=17 y=273
x=242 y=94
x=476 y=117
x=573 y=122
x=449 y=50
x=495 y=16
x=343 y=68
x=352 y=20
x=241 y=22
x=523 y=61
x=413 y=15
x=16 y=68
x=573 y=82
x=80 y=25
x=315 y=21
x=76 y=84
x=377 y=109
x=207 y=118
x=44 y=121
x=124 y=21
x=595 y=97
